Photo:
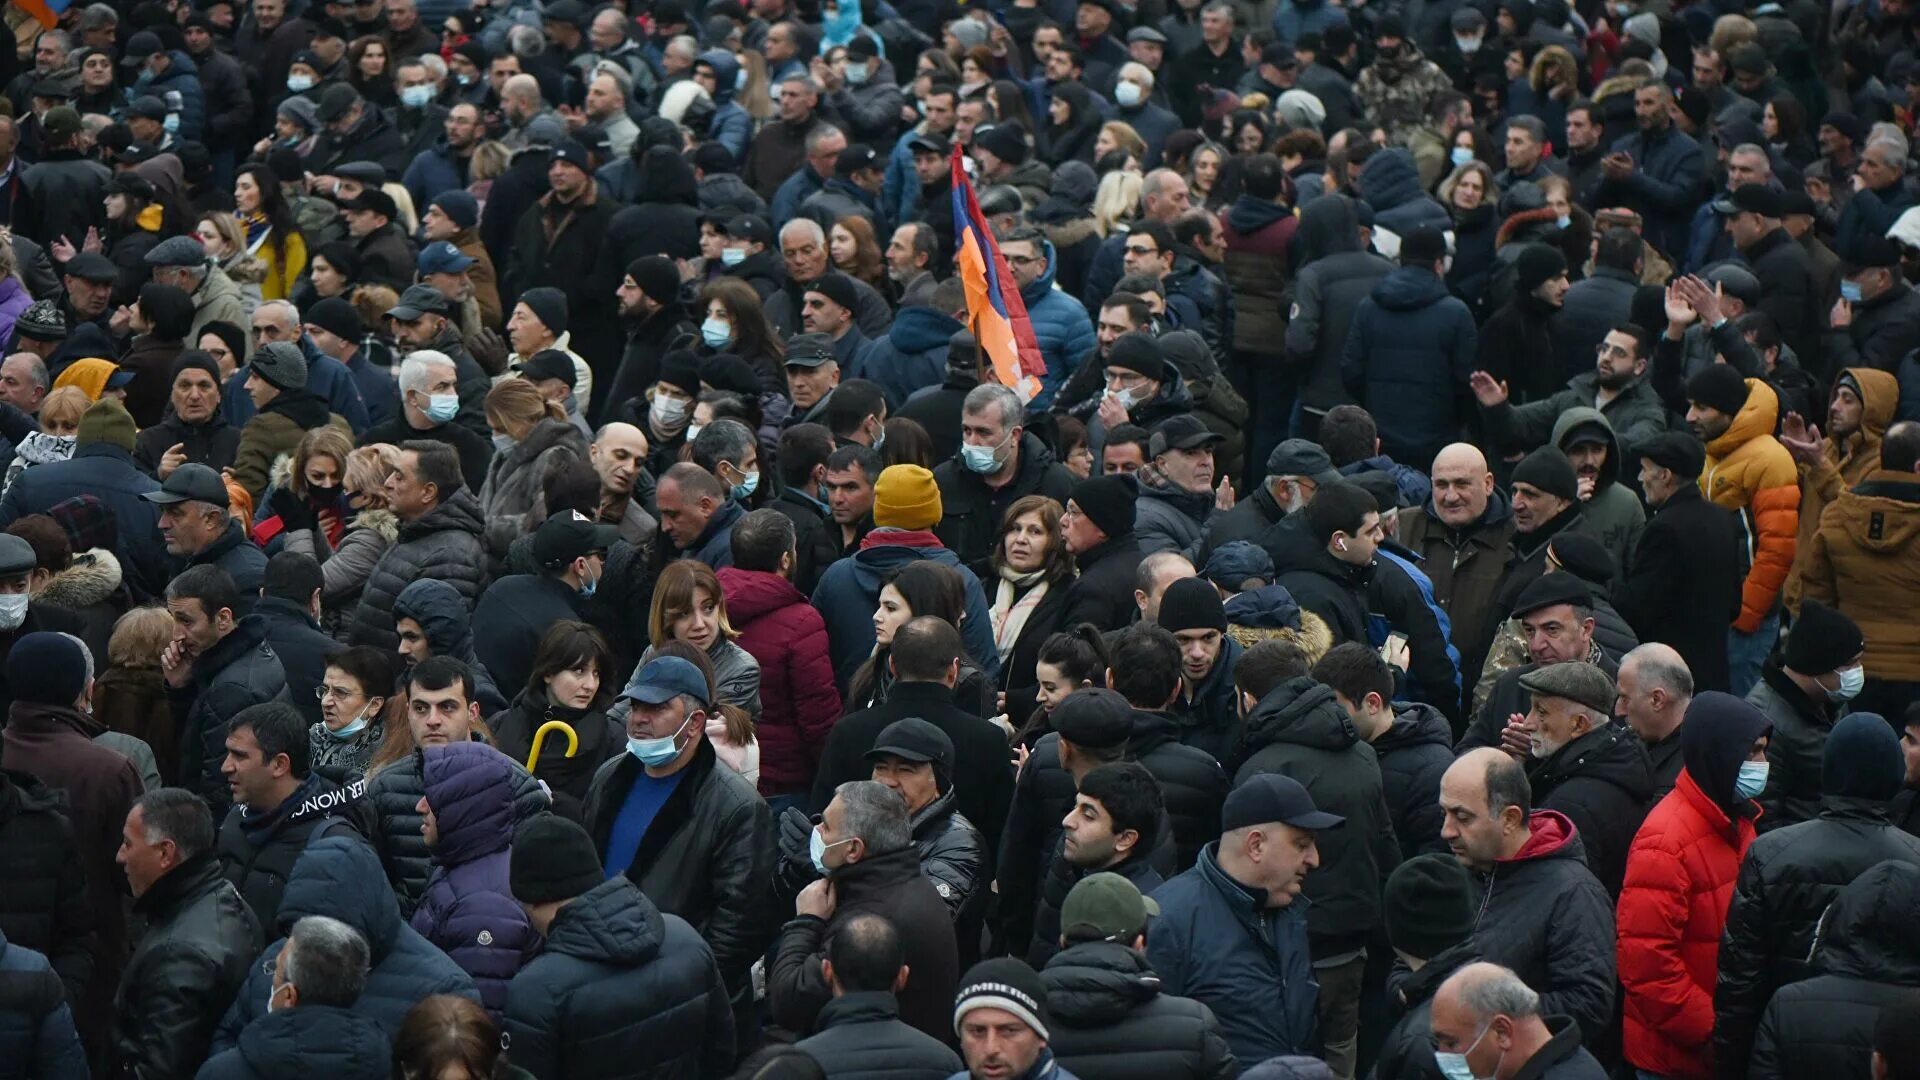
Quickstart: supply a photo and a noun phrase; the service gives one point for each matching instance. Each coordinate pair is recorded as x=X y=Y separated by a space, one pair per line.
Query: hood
x=667 y=178
x=1879 y=394
x=1300 y=712
x=871 y=565
x=1867 y=932
x=1329 y=225
x=725 y=191
x=544 y=436
x=340 y=877
x=1097 y=984
x=1409 y=288
x=1036 y=290
x=315 y=1040
x=1391 y=179
x=442 y=613
x=1249 y=215
x=1271 y=606
x=1074 y=184
x=24 y=792
x=922 y=329
x=1861 y=760
x=93 y=577
x=1580 y=416
x=1415 y=724
x=470 y=787
x=1719 y=731
x=612 y=923
x=1553 y=837
x=315 y=797
x=1499 y=510
x=725 y=70
x=164 y=172
x=753 y=593
x=1884 y=514
x=1756 y=418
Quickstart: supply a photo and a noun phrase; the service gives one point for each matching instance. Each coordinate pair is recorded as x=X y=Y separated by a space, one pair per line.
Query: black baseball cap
x=1096 y=719
x=856 y=157
x=1750 y=198
x=568 y=535
x=190 y=483
x=548 y=364
x=914 y=740
x=373 y=201
x=140 y=48
x=1271 y=797
x=749 y=227
x=1182 y=432
x=930 y=142
x=418 y=300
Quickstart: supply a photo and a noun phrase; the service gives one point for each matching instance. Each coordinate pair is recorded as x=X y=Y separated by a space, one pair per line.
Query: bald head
x=618 y=453
x=1654 y=688
x=1462 y=485
x=1485 y=802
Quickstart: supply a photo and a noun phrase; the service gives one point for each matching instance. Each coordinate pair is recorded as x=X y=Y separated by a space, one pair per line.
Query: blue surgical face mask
x=744 y=490
x=693 y=431
x=1454 y=1066
x=589 y=586
x=1852 y=681
x=1127 y=94
x=465 y=80
x=351 y=728
x=740 y=80
x=817 y=850
x=858 y=74
x=1460 y=155
x=442 y=407
x=657 y=752
x=1752 y=779
x=1563 y=220
x=416 y=97
x=984 y=460
x=502 y=443
x=172 y=123
x=299 y=83
x=1850 y=291
x=733 y=256
x=716 y=332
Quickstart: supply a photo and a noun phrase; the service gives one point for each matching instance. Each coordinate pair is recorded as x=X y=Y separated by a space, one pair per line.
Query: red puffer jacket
x=798 y=699
x=1680 y=876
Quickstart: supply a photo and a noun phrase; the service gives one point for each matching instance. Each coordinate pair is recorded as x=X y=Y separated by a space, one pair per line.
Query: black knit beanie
x=553 y=859
x=1107 y=501
x=1549 y=470
x=1822 y=640
x=1428 y=905
x=1718 y=386
x=1192 y=604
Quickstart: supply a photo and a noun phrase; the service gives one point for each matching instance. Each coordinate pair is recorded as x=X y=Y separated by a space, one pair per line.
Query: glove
x=795 y=870
x=291 y=509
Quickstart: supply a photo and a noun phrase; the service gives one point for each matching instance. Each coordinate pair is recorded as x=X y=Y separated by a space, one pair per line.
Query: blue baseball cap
x=442 y=257
x=664 y=678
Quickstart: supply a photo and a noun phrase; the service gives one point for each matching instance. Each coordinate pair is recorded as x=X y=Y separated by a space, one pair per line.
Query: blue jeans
x=1746 y=653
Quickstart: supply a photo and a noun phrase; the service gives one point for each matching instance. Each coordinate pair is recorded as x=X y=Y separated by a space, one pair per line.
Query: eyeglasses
x=1607 y=349
x=1131 y=250
x=338 y=693
x=1024 y=260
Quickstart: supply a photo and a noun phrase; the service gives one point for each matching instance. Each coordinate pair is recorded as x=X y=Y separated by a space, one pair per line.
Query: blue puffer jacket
x=912 y=355
x=731 y=127
x=468 y=909
x=1391 y=185
x=180 y=89
x=1220 y=944
x=340 y=877
x=37 y=1040
x=307 y=1040
x=850 y=589
x=432 y=173
x=443 y=613
x=1061 y=327
x=620 y=990
x=1409 y=353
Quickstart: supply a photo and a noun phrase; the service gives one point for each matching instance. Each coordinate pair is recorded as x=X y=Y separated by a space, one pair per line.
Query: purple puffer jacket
x=468 y=910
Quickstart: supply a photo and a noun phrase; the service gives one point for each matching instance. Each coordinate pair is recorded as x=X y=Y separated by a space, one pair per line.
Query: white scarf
x=1011 y=607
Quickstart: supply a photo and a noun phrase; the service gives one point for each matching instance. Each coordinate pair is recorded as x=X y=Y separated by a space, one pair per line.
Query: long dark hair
x=568 y=645
x=929 y=589
x=274 y=206
x=1080 y=652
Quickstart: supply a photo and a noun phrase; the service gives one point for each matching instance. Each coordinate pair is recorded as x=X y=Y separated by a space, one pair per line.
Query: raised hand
x=1489 y=393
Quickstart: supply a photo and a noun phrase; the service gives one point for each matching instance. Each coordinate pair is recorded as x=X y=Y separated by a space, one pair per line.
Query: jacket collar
x=864 y=1007
x=180 y=886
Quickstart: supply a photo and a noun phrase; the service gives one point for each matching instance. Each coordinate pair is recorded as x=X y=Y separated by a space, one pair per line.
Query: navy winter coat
x=1409 y=353
x=340 y=877
x=912 y=355
x=850 y=590
x=1391 y=185
x=1060 y=326
x=468 y=910
x=448 y=621
x=306 y=1040
x=620 y=990
x=180 y=89
x=37 y=1040
x=1668 y=179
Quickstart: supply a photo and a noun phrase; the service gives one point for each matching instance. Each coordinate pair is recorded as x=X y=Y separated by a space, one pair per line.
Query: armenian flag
x=47 y=12
x=995 y=313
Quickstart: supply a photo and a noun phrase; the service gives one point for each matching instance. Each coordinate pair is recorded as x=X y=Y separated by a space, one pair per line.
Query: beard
x=1614 y=380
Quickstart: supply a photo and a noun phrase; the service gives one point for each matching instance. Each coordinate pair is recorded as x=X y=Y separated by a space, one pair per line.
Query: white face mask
x=13 y=610
x=667 y=411
x=1127 y=94
x=1124 y=397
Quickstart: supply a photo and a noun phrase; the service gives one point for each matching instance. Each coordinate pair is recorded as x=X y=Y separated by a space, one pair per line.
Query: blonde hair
x=328 y=441
x=366 y=470
x=1490 y=193
x=403 y=202
x=64 y=405
x=489 y=161
x=753 y=97
x=1731 y=30
x=516 y=404
x=232 y=233
x=675 y=594
x=372 y=302
x=1125 y=138
x=1117 y=199
x=139 y=637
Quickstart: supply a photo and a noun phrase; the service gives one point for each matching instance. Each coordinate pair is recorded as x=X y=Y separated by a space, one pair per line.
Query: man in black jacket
x=1412 y=740
x=1753 y=213
x=864 y=847
x=998 y=464
x=1295 y=471
x=1113 y=828
x=289 y=604
x=655 y=322
x=1654 y=689
x=278 y=805
x=860 y=1031
x=1098 y=527
x=217 y=664
x=1429 y=915
x=1790 y=875
x=200 y=942
x=1683 y=584
x=1109 y=1018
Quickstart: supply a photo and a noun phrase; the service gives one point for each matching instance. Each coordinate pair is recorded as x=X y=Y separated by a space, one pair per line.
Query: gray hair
x=1489 y=990
x=1659 y=666
x=1892 y=154
x=326 y=961
x=179 y=815
x=1012 y=413
x=99 y=15
x=876 y=814
x=436 y=67
x=57 y=38
x=1507 y=785
x=289 y=315
x=523 y=86
x=1154 y=565
x=808 y=226
x=820 y=134
x=36 y=370
x=1535 y=130
x=1217 y=7
x=806 y=83
x=1756 y=151
x=681 y=45
x=527 y=41
x=1137 y=72
x=621 y=78
x=416 y=371
x=726 y=439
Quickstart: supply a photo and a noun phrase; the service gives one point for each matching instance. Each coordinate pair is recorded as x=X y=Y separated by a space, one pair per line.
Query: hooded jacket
x=1408 y=354
x=240 y=670
x=1749 y=472
x=1603 y=783
x=512 y=498
x=258 y=850
x=663 y=220
x=1391 y=185
x=1680 y=878
x=306 y=1040
x=1168 y=517
x=1682 y=585
x=1414 y=753
x=1335 y=275
x=1407 y=1053
x=1869 y=959
x=1613 y=513
x=444 y=544
x=1791 y=875
x=1543 y=914
x=910 y=355
x=444 y=616
x=188 y=967
x=1395 y=91
x=1258 y=233
x=1299 y=730
x=1863 y=561
x=1635 y=414
x=620 y=988
x=1108 y=1018
x=1844 y=464
x=850 y=588
x=731 y=127
x=1060 y=326
x=798 y=699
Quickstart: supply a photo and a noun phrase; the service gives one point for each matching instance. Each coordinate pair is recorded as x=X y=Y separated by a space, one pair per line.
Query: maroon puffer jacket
x=798 y=699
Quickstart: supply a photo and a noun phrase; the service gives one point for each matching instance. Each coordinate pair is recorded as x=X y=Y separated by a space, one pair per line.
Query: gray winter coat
x=344 y=570
x=445 y=545
x=512 y=499
x=736 y=679
x=1169 y=518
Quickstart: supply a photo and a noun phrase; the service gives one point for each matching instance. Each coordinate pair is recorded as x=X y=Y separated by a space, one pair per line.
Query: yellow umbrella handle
x=540 y=738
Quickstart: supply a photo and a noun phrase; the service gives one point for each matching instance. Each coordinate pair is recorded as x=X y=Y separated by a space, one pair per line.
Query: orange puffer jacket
x=1750 y=473
x=1845 y=464
x=1865 y=560
x=1680 y=877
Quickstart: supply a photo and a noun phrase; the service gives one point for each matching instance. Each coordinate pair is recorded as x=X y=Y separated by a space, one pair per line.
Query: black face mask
x=323 y=494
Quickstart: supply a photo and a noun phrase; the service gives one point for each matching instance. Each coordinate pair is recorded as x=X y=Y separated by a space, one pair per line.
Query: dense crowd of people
x=514 y=564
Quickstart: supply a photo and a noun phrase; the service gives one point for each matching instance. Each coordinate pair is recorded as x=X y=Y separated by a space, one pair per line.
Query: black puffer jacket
x=621 y=989
x=1543 y=914
x=1603 y=782
x=1787 y=881
x=1062 y=876
x=240 y=670
x=970 y=524
x=1192 y=783
x=212 y=444
x=1299 y=730
x=953 y=856
x=1335 y=275
x=392 y=795
x=445 y=545
x=1407 y=1053
x=257 y=851
x=307 y=1040
x=44 y=906
x=1870 y=958
x=861 y=1037
x=200 y=943
x=1110 y=1020
x=1414 y=753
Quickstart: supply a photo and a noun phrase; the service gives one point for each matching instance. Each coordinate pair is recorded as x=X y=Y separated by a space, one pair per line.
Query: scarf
x=1012 y=607
x=257 y=230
